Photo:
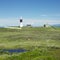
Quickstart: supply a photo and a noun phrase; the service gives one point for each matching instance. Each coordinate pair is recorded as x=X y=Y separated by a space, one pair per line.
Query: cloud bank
x=34 y=22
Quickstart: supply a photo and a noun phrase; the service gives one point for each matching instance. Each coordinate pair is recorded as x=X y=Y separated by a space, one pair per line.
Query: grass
x=42 y=43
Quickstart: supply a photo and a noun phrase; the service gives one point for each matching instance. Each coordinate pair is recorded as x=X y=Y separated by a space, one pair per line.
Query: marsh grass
x=41 y=43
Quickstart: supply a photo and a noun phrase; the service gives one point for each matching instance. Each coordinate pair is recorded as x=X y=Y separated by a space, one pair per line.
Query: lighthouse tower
x=21 y=22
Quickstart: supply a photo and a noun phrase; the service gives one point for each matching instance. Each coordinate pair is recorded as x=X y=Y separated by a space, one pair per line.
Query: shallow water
x=13 y=50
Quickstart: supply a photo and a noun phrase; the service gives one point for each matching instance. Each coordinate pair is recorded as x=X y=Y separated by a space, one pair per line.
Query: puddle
x=13 y=50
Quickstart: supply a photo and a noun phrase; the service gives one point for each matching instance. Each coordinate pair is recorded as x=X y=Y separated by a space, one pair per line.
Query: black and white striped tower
x=21 y=22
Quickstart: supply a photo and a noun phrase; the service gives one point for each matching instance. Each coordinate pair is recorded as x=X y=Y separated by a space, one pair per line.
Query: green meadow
x=41 y=43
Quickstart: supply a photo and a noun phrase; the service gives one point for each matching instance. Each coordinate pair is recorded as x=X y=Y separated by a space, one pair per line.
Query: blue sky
x=35 y=12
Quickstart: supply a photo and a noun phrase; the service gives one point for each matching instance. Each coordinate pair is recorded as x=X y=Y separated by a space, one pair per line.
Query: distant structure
x=21 y=22
x=46 y=25
x=29 y=25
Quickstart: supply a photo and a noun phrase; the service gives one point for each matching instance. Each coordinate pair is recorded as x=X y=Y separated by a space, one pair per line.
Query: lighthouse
x=21 y=22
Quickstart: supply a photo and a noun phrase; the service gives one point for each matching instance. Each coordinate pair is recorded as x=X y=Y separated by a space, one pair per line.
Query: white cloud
x=8 y=22
x=40 y=22
x=51 y=15
x=14 y=21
